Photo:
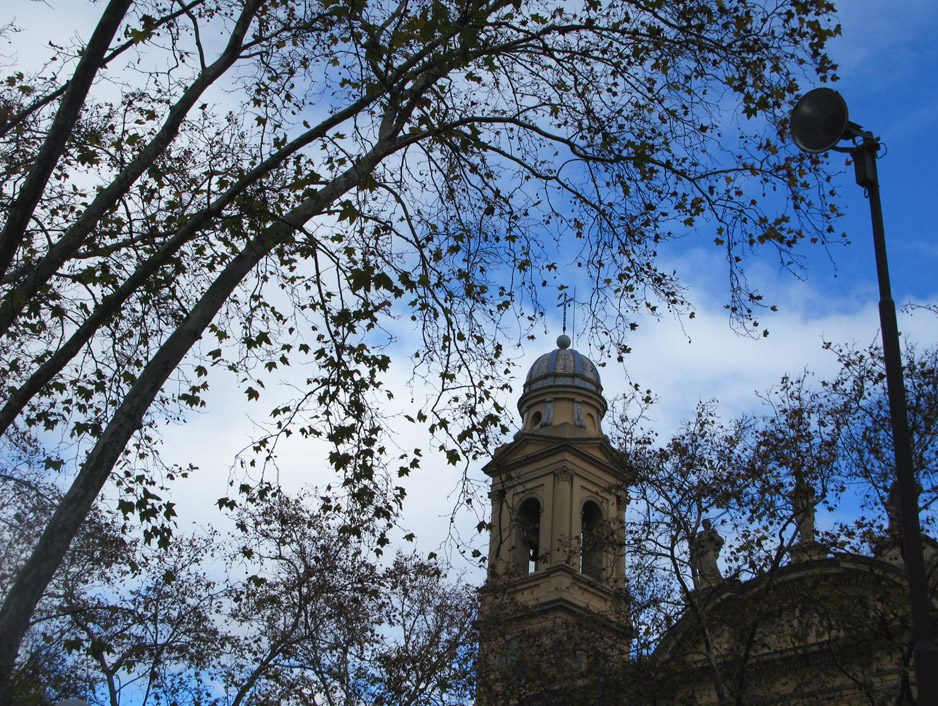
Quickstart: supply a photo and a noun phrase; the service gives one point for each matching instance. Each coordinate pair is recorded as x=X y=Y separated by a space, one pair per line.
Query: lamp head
x=819 y=120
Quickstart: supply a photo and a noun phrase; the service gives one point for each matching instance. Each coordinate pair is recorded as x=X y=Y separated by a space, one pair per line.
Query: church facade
x=556 y=623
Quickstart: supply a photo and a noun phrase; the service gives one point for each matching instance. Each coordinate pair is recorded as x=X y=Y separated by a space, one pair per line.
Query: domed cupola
x=563 y=394
x=563 y=366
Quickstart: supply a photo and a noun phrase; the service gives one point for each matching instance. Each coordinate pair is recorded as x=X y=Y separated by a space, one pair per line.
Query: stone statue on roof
x=705 y=551
x=803 y=500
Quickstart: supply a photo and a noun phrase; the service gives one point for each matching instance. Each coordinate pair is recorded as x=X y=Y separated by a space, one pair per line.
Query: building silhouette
x=556 y=625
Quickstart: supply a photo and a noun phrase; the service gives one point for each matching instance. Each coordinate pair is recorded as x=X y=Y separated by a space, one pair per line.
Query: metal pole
x=926 y=654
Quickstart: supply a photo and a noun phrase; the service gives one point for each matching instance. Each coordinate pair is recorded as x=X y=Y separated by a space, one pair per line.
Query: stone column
x=500 y=533
x=622 y=503
x=562 y=550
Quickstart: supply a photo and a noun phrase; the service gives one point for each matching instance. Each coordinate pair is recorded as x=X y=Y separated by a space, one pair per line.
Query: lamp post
x=818 y=122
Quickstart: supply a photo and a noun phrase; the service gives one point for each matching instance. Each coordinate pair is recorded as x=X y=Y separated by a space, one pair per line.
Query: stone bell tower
x=558 y=509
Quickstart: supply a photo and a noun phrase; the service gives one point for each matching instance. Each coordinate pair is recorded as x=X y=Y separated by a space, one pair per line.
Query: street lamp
x=818 y=123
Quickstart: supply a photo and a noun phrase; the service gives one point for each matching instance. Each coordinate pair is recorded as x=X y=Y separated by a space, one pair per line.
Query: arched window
x=591 y=541
x=527 y=541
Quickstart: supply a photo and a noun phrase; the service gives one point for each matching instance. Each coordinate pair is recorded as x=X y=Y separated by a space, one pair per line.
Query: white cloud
x=877 y=31
x=702 y=359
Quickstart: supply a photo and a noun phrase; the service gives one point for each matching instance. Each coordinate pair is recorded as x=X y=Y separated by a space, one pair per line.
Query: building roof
x=563 y=366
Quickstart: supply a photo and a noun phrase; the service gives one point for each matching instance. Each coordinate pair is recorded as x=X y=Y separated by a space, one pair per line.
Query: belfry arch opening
x=527 y=542
x=591 y=540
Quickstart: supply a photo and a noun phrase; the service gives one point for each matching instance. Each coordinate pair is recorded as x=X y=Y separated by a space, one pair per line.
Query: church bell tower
x=556 y=552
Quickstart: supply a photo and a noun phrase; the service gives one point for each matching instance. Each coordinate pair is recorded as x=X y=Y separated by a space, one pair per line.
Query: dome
x=563 y=366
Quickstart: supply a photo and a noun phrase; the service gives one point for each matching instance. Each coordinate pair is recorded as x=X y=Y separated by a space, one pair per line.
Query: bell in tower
x=554 y=606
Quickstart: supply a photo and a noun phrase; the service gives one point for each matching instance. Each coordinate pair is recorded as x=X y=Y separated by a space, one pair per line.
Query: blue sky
x=887 y=58
x=887 y=61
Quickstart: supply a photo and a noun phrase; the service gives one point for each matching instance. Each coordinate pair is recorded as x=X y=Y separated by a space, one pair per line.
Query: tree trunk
x=25 y=204
x=64 y=248
x=32 y=580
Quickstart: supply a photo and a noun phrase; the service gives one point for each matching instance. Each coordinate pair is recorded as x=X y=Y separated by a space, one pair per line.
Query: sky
x=887 y=58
